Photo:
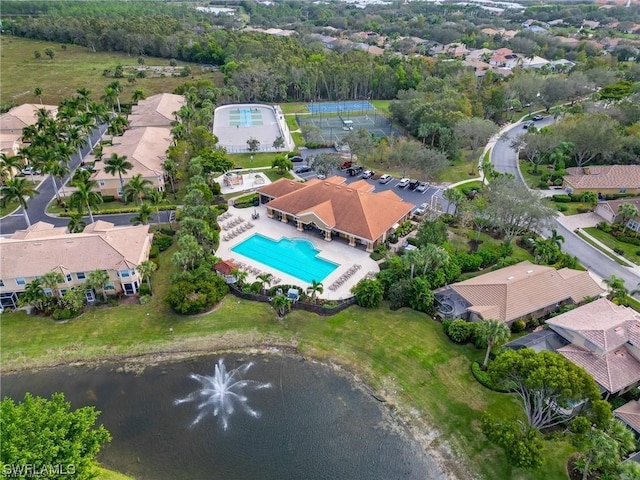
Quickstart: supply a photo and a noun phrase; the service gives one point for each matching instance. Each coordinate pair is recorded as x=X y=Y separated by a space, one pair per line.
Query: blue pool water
x=296 y=257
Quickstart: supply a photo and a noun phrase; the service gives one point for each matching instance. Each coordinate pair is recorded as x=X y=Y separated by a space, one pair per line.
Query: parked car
x=538 y=117
x=303 y=169
x=368 y=174
x=346 y=165
x=385 y=178
x=422 y=187
x=413 y=184
x=526 y=125
x=354 y=170
x=30 y=171
x=403 y=182
x=420 y=209
x=296 y=159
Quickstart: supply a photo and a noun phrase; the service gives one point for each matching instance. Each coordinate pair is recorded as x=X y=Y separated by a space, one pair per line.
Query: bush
x=460 y=331
x=629 y=240
x=144 y=289
x=154 y=252
x=562 y=208
x=222 y=208
x=543 y=185
x=377 y=256
x=393 y=238
x=413 y=241
x=108 y=198
x=167 y=231
x=469 y=262
x=368 y=293
x=619 y=251
x=522 y=443
x=188 y=298
x=518 y=326
x=481 y=376
x=399 y=294
x=163 y=242
x=144 y=299
x=62 y=314
x=562 y=198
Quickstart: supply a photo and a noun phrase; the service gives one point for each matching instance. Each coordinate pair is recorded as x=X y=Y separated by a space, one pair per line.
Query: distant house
x=29 y=254
x=226 y=269
x=451 y=49
x=517 y=292
x=156 y=111
x=533 y=62
x=629 y=413
x=351 y=212
x=504 y=57
x=562 y=65
x=22 y=116
x=604 y=339
x=145 y=148
x=608 y=210
x=590 y=24
x=603 y=179
x=480 y=68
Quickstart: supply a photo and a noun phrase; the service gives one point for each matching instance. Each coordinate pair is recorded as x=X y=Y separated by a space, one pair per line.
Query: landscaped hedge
x=481 y=376
x=163 y=242
x=246 y=201
x=562 y=198
x=188 y=297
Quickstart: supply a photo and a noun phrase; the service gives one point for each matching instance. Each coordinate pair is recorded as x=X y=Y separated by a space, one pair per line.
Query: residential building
x=629 y=414
x=31 y=253
x=608 y=210
x=603 y=179
x=145 y=148
x=351 y=212
x=22 y=116
x=226 y=269
x=604 y=339
x=156 y=111
x=517 y=292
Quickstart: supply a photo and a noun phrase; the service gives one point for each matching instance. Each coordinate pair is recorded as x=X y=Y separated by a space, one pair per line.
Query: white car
x=368 y=174
x=422 y=187
x=403 y=182
x=30 y=171
x=385 y=178
x=420 y=209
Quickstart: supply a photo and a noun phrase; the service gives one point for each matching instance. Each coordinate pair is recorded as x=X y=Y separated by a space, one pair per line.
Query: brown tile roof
x=156 y=111
x=513 y=292
x=19 y=117
x=614 y=205
x=614 y=370
x=602 y=322
x=145 y=148
x=629 y=413
x=357 y=211
x=604 y=176
x=43 y=248
x=225 y=267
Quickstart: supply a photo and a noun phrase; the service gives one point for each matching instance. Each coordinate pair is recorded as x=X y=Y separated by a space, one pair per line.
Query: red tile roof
x=603 y=176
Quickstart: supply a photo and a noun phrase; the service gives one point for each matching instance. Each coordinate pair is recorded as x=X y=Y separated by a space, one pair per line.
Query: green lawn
x=457 y=171
x=403 y=355
x=459 y=240
x=294 y=107
x=381 y=105
x=612 y=256
x=104 y=474
x=262 y=159
x=8 y=208
x=630 y=252
x=532 y=180
x=572 y=207
x=477 y=184
x=71 y=69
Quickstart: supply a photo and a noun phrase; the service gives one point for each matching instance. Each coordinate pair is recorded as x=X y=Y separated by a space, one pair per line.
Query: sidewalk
x=577 y=223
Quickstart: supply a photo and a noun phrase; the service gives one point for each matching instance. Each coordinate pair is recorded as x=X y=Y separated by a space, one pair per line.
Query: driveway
x=504 y=158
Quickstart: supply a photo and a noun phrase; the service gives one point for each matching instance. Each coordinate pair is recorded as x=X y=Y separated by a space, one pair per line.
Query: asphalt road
x=38 y=204
x=504 y=158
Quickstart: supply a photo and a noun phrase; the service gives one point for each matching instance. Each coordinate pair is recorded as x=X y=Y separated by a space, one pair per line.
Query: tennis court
x=333 y=128
x=339 y=107
x=245 y=117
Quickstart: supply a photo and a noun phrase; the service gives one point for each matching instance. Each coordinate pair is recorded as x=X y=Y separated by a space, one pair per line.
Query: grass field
x=458 y=171
x=591 y=242
x=403 y=355
x=71 y=69
x=630 y=252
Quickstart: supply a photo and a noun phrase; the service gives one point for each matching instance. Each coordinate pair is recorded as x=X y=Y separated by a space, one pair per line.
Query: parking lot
x=410 y=196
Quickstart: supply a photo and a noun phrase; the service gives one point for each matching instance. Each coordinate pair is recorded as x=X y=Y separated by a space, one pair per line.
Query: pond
x=256 y=417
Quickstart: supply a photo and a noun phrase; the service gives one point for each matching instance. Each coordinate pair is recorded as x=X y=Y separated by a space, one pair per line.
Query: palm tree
x=84 y=95
x=34 y=295
x=455 y=197
x=492 y=333
x=117 y=89
x=155 y=198
x=37 y=92
x=433 y=257
x=555 y=238
x=76 y=139
x=9 y=165
x=55 y=169
x=76 y=224
x=143 y=216
x=282 y=304
x=138 y=95
x=146 y=268
x=617 y=290
x=241 y=276
x=119 y=165
x=51 y=280
x=17 y=189
x=169 y=167
x=137 y=188
x=85 y=122
x=315 y=288
x=109 y=98
x=97 y=280
x=627 y=211
x=85 y=196
x=265 y=278
x=117 y=125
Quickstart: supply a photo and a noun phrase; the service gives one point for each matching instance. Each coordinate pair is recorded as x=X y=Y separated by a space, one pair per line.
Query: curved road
x=38 y=204
x=504 y=159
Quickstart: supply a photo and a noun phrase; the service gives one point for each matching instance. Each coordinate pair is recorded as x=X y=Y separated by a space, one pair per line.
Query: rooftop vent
x=529 y=271
x=620 y=353
x=510 y=278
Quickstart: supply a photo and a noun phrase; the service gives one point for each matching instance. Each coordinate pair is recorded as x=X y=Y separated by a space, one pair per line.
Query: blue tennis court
x=338 y=107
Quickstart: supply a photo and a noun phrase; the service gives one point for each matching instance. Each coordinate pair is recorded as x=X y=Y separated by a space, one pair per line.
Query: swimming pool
x=296 y=257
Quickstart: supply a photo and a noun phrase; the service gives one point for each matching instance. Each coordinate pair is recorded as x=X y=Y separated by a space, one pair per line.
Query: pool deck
x=338 y=251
